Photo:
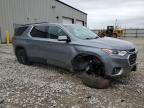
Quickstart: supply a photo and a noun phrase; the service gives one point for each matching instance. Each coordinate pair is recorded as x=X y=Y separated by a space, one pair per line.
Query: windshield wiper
x=91 y=38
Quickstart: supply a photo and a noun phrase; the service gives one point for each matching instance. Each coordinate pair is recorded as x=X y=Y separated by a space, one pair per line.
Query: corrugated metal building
x=31 y=11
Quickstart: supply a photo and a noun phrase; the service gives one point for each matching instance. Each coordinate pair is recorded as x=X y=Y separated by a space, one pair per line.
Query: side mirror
x=63 y=38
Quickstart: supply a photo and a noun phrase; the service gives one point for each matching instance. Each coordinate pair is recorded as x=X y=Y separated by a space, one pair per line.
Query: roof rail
x=30 y=23
x=36 y=23
x=22 y=25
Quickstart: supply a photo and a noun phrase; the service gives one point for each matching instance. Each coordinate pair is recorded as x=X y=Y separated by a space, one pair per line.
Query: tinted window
x=40 y=32
x=54 y=32
x=19 y=31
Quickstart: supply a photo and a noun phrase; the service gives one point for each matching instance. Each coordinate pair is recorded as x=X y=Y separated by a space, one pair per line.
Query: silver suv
x=75 y=48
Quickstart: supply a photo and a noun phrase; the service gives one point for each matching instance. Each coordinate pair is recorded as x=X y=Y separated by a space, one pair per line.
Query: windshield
x=81 y=32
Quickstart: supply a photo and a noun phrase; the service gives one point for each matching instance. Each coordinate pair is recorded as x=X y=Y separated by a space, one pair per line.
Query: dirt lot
x=44 y=86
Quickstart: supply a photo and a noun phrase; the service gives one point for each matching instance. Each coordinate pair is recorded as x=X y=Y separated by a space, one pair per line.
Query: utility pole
x=116 y=24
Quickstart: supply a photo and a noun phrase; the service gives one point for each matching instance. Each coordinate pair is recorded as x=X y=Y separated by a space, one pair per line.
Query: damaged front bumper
x=121 y=66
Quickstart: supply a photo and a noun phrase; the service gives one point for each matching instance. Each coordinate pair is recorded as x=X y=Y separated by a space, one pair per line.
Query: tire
x=93 y=81
x=115 y=35
x=22 y=57
x=92 y=74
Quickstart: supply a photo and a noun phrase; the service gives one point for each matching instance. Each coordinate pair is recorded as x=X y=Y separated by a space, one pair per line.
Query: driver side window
x=54 y=32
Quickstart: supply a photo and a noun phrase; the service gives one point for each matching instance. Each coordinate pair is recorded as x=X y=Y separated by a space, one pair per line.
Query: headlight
x=114 y=52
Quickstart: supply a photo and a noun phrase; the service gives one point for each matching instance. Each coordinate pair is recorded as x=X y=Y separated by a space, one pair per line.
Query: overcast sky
x=129 y=13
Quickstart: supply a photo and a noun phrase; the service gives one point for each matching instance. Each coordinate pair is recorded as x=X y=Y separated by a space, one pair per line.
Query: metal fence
x=133 y=33
x=129 y=32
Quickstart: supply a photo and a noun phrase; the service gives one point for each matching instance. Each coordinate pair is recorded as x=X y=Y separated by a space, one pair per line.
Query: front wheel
x=92 y=73
x=94 y=81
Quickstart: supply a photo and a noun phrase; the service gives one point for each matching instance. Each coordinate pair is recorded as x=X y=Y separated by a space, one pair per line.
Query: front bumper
x=121 y=66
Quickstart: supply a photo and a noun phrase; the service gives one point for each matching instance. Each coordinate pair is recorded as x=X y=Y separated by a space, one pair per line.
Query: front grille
x=132 y=59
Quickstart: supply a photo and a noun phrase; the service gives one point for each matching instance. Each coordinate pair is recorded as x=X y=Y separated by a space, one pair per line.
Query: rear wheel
x=22 y=57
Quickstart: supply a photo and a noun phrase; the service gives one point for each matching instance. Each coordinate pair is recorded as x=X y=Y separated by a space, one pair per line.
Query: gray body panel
x=61 y=53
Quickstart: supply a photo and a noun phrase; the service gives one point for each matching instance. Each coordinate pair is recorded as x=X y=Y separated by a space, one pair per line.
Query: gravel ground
x=44 y=86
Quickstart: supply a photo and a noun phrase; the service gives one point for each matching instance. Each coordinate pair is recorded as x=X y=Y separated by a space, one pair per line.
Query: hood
x=110 y=43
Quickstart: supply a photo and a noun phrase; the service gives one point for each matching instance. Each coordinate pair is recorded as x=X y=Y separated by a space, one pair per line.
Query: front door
x=60 y=53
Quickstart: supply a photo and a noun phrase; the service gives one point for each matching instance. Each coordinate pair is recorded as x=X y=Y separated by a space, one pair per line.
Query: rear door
x=38 y=44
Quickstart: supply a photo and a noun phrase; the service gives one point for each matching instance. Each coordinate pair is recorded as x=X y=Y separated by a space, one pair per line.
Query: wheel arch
x=17 y=48
x=83 y=55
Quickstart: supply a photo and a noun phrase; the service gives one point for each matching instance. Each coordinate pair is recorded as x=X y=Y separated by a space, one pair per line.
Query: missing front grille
x=132 y=59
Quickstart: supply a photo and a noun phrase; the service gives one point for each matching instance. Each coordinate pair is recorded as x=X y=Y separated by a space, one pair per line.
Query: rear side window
x=39 y=32
x=20 y=30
